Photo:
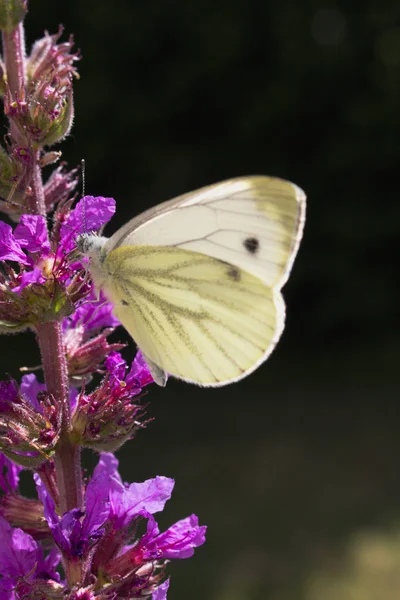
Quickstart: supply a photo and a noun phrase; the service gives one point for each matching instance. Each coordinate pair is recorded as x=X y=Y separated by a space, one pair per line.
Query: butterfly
x=197 y=280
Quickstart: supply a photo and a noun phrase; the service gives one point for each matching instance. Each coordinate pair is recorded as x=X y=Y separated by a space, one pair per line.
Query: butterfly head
x=90 y=244
x=93 y=247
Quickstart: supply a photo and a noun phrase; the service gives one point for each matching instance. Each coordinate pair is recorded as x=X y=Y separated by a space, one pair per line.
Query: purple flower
x=72 y=534
x=8 y=393
x=31 y=233
x=28 y=277
x=18 y=551
x=140 y=371
x=30 y=388
x=93 y=313
x=144 y=556
x=9 y=475
x=10 y=248
x=8 y=390
x=85 y=346
x=116 y=367
x=161 y=592
x=129 y=501
x=22 y=558
x=138 y=376
x=107 y=417
x=7 y=587
x=89 y=214
x=60 y=185
x=137 y=565
x=179 y=541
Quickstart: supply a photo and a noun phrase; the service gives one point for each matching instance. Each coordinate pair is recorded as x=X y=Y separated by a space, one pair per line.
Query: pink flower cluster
x=92 y=538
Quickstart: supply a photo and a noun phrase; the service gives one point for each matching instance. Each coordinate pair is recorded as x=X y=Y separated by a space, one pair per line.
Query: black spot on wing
x=234 y=274
x=124 y=302
x=252 y=245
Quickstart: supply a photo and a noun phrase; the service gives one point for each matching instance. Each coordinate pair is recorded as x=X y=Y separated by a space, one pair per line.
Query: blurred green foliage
x=287 y=465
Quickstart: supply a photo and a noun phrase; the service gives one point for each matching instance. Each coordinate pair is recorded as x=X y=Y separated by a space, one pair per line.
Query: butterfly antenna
x=83 y=169
x=8 y=200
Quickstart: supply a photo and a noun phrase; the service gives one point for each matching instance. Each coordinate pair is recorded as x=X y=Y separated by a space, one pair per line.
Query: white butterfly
x=196 y=281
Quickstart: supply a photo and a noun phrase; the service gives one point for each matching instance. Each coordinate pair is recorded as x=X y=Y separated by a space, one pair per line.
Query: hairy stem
x=67 y=457
x=14 y=60
x=38 y=204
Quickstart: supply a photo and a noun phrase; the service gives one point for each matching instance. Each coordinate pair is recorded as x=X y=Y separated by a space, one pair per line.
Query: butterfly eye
x=252 y=245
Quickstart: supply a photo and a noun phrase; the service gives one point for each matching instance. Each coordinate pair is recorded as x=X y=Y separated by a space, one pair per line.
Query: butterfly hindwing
x=197 y=317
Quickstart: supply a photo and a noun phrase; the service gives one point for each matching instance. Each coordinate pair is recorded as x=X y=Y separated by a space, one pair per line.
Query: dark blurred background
x=296 y=469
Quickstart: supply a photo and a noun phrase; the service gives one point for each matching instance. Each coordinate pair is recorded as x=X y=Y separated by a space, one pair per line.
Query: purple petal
x=73 y=397
x=7 y=592
x=70 y=529
x=161 y=592
x=28 y=277
x=116 y=366
x=51 y=516
x=152 y=529
x=140 y=371
x=18 y=552
x=47 y=566
x=90 y=214
x=94 y=313
x=106 y=477
x=149 y=496
x=30 y=387
x=71 y=535
x=10 y=249
x=107 y=470
x=97 y=502
x=31 y=233
x=9 y=475
x=8 y=391
x=179 y=541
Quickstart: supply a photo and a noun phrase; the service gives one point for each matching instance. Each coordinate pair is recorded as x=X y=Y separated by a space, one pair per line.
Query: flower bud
x=40 y=588
x=131 y=580
x=34 y=303
x=106 y=418
x=9 y=184
x=50 y=108
x=12 y=12
x=28 y=435
x=53 y=116
x=59 y=186
x=104 y=421
x=46 y=117
x=86 y=355
x=25 y=513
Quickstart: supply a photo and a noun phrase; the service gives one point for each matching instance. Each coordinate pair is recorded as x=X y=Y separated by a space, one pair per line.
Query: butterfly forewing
x=254 y=223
